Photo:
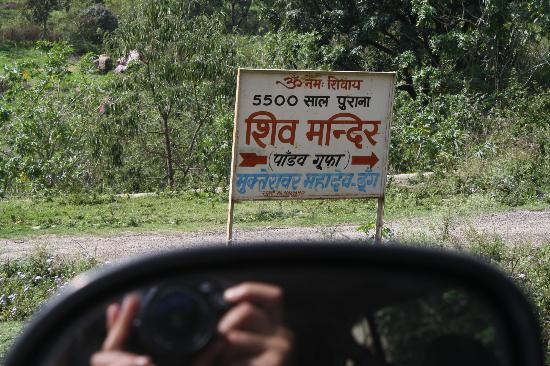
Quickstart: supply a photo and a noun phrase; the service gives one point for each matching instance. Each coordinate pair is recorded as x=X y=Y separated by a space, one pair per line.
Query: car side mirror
x=346 y=304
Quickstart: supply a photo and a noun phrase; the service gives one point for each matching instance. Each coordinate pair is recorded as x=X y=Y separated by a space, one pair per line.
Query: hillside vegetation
x=472 y=105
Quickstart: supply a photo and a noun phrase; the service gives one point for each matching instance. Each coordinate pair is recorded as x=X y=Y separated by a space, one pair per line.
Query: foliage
x=431 y=132
x=35 y=147
x=476 y=145
x=44 y=147
x=238 y=16
x=289 y=50
x=95 y=21
x=435 y=46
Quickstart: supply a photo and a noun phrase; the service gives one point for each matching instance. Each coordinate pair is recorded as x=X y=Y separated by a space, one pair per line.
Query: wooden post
x=379 y=220
x=230 y=220
x=233 y=165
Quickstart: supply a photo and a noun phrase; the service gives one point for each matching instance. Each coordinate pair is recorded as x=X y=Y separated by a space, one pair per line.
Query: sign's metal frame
x=380 y=199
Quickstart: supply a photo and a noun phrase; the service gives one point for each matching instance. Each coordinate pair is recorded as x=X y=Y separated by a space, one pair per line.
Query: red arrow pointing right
x=369 y=160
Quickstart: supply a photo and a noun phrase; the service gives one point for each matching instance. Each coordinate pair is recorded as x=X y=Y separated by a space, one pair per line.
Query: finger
x=269 y=297
x=254 y=349
x=246 y=316
x=117 y=358
x=245 y=343
x=113 y=310
x=248 y=348
x=119 y=331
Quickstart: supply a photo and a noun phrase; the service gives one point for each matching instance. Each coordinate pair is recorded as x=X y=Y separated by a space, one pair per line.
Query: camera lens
x=176 y=321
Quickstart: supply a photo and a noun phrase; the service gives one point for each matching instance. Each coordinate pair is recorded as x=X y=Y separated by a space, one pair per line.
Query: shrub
x=86 y=63
x=18 y=33
x=431 y=133
x=94 y=22
x=511 y=159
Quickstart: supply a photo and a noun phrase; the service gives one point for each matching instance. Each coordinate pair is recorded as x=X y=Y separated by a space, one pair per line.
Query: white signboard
x=311 y=134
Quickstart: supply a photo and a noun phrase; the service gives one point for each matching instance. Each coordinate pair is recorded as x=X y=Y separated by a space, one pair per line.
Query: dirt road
x=513 y=227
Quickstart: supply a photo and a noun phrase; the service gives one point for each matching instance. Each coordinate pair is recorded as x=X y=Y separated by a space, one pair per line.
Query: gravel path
x=514 y=227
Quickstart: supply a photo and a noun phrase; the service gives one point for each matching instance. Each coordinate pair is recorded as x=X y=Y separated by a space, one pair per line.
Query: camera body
x=177 y=319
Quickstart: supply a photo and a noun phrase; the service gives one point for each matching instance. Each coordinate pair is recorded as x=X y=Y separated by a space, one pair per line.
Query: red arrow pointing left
x=252 y=159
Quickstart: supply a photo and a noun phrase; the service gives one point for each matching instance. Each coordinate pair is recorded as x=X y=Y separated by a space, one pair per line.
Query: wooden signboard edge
x=318 y=72
x=231 y=204
x=381 y=200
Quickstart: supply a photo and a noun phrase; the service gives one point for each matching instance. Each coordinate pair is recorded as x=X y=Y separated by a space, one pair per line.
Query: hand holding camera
x=250 y=330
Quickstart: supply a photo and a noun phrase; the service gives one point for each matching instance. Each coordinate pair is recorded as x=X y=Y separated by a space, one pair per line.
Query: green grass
x=8 y=332
x=10 y=54
x=102 y=214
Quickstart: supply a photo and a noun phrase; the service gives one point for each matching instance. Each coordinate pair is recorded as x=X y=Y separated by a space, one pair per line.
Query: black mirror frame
x=86 y=289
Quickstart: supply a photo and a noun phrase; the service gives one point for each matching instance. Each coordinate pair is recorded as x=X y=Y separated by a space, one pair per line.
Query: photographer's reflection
x=251 y=332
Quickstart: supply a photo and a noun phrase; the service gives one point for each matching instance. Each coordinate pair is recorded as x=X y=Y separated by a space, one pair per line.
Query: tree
x=38 y=11
x=433 y=44
x=184 y=79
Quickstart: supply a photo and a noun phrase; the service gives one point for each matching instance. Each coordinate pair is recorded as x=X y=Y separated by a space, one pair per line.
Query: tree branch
x=195 y=134
x=382 y=48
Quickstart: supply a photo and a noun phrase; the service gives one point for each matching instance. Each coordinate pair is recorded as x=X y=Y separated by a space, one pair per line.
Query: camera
x=176 y=320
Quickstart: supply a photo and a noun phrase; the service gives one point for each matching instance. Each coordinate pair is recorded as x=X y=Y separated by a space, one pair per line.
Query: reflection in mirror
x=313 y=316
